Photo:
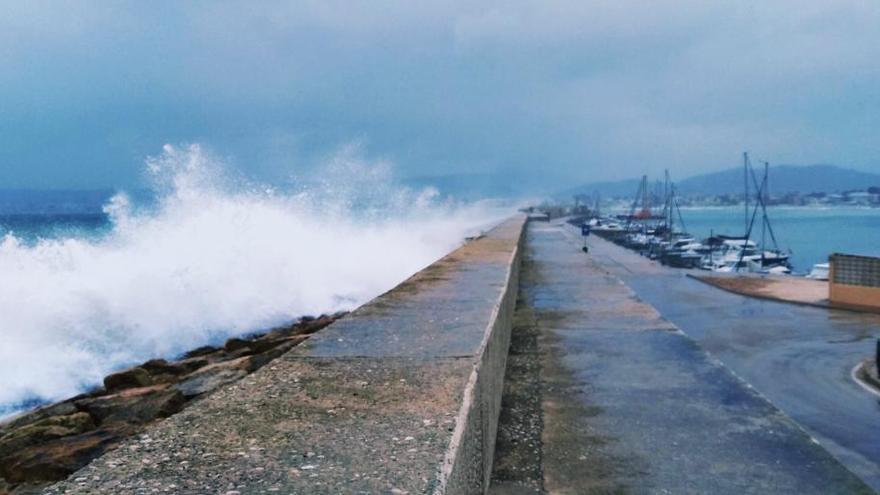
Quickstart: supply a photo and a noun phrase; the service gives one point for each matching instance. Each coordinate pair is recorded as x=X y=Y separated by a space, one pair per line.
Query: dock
x=630 y=404
x=516 y=364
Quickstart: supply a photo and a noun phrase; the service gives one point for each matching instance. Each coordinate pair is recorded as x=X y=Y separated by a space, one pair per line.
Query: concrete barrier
x=401 y=396
x=467 y=465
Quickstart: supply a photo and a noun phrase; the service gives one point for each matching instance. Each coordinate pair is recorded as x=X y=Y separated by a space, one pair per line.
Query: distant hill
x=783 y=179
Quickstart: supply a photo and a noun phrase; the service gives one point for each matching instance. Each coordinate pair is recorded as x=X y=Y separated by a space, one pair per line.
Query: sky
x=544 y=91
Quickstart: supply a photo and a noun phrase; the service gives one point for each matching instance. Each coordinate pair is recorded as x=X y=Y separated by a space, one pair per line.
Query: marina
x=754 y=237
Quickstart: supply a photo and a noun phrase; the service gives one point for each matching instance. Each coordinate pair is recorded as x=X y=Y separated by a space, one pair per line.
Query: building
x=860 y=198
x=854 y=280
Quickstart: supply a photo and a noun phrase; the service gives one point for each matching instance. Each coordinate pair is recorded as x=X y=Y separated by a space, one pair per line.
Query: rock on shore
x=52 y=441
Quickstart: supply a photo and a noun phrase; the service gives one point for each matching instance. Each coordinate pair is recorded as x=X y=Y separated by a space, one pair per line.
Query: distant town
x=869 y=197
x=791 y=185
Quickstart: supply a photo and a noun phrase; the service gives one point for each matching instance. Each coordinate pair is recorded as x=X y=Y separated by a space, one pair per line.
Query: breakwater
x=49 y=443
x=405 y=394
x=402 y=395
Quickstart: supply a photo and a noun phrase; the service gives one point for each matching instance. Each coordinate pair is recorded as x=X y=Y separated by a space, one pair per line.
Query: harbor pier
x=422 y=391
x=400 y=396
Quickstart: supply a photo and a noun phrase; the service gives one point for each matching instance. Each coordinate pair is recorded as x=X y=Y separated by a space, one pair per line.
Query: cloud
x=589 y=90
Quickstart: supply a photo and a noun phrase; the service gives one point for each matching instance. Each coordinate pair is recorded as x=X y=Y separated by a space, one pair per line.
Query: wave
x=210 y=258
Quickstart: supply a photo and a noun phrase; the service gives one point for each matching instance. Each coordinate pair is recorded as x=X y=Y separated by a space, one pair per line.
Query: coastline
x=46 y=444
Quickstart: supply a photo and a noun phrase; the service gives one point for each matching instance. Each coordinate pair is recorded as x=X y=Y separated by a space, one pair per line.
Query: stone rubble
x=49 y=443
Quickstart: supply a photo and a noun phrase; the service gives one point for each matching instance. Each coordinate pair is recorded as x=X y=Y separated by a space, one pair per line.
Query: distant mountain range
x=783 y=179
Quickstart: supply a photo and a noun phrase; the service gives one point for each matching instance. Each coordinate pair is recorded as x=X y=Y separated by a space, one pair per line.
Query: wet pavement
x=627 y=403
x=799 y=357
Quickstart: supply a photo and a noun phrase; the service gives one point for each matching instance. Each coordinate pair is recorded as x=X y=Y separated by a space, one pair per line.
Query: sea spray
x=210 y=258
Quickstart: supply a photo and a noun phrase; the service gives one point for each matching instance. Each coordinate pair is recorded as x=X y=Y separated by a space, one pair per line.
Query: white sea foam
x=206 y=262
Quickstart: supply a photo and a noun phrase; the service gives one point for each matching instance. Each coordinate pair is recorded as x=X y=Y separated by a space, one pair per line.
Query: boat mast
x=761 y=197
x=764 y=199
x=746 y=189
x=766 y=217
x=677 y=208
x=667 y=207
x=635 y=203
x=750 y=224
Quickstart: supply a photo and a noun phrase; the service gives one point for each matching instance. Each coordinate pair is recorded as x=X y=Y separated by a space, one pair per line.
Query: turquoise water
x=810 y=233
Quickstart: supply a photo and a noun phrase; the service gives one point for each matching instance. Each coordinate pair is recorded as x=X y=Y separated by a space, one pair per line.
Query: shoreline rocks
x=52 y=441
x=130 y=378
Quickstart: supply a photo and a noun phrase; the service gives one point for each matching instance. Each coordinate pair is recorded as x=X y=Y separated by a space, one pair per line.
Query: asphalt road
x=798 y=357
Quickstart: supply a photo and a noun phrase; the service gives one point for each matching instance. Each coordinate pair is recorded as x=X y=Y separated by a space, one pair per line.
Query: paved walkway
x=799 y=357
x=626 y=403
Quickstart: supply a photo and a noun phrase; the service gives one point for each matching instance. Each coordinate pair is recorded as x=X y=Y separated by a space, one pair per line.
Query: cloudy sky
x=576 y=90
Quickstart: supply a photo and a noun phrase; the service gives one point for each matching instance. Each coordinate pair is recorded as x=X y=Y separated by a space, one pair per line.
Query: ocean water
x=30 y=228
x=86 y=289
x=810 y=233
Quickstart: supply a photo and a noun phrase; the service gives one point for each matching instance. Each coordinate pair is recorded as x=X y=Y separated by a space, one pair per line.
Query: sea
x=95 y=281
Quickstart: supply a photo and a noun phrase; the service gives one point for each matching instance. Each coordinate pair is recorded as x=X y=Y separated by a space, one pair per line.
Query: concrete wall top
x=386 y=400
x=441 y=311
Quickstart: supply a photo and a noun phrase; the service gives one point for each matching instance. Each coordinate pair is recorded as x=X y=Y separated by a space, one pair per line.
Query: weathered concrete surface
x=518 y=462
x=797 y=290
x=401 y=396
x=629 y=404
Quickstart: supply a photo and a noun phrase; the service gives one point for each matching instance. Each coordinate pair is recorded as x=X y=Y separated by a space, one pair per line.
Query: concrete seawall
x=401 y=396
